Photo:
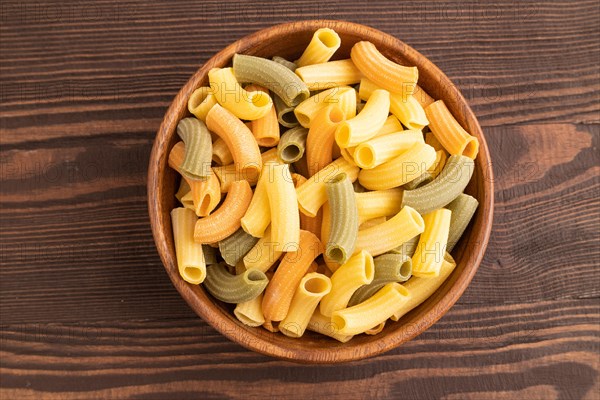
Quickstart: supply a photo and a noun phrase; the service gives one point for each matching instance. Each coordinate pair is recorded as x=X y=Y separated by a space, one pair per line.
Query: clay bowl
x=289 y=40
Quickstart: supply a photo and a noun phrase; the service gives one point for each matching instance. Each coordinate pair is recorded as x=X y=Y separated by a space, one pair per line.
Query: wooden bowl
x=289 y=40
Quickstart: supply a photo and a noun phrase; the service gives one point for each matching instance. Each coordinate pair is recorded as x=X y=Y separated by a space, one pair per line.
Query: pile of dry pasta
x=311 y=196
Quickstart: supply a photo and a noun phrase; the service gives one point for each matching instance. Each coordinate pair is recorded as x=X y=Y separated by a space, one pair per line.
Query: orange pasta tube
x=238 y=138
x=206 y=194
x=321 y=135
x=422 y=96
x=280 y=290
x=226 y=220
x=449 y=132
x=382 y=71
x=265 y=129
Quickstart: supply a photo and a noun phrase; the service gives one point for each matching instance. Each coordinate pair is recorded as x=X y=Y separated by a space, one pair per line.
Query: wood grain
x=83 y=88
x=154 y=359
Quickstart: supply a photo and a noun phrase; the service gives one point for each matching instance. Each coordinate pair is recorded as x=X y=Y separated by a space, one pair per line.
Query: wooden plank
x=537 y=350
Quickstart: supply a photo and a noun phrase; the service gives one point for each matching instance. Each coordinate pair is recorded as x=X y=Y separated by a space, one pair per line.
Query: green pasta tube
x=343 y=224
x=236 y=246
x=288 y=64
x=210 y=254
x=234 y=288
x=388 y=268
x=419 y=181
x=272 y=75
x=449 y=184
x=463 y=208
x=407 y=248
x=198 y=148
x=292 y=144
x=285 y=113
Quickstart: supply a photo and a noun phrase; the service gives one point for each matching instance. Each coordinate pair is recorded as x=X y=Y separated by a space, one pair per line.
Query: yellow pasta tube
x=382 y=71
x=402 y=227
x=344 y=97
x=367 y=123
x=322 y=46
x=391 y=125
x=405 y=107
x=321 y=135
x=190 y=258
x=449 y=132
x=381 y=149
x=423 y=288
x=378 y=203
x=323 y=325
x=263 y=255
x=226 y=220
x=325 y=230
x=238 y=138
x=266 y=128
x=429 y=253
x=283 y=203
x=311 y=290
x=258 y=215
x=371 y=312
x=250 y=312
x=359 y=270
x=221 y=154
x=329 y=74
x=230 y=95
x=280 y=290
x=376 y=330
x=372 y=222
x=312 y=193
x=201 y=101
x=402 y=169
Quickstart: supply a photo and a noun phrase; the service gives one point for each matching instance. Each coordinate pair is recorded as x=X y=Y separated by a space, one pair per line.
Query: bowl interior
x=289 y=41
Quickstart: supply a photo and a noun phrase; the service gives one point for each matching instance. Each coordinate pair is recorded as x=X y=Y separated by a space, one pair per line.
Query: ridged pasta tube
x=343 y=229
x=381 y=149
x=292 y=144
x=449 y=184
x=400 y=170
x=288 y=64
x=198 y=148
x=329 y=74
x=358 y=271
x=322 y=46
x=230 y=95
x=382 y=71
x=226 y=220
x=250 y=312
x=263 y=255
x=463 y=208
x=295 y=264
x=430 y=251
x=388 y=268
x=266 y=128
x=321 y=137
x=367 y=123
x=382 y=238
x=285 y=113
x=283 y=204
x=272 y=75
x=449 y=132
x=323 y=325
x=372 y=312
x=201 y=101
x=378 y=203
x=236 y=246
x=234 y=288
x=311 y=290
x=190 y=258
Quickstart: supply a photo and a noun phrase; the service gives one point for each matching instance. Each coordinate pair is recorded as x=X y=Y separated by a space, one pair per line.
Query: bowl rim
x=225 y=323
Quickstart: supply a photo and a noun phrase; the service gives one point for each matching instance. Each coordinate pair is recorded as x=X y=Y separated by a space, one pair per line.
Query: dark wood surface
x=87 y=310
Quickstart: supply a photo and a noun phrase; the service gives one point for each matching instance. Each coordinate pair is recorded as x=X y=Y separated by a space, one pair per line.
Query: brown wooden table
x=87 y=310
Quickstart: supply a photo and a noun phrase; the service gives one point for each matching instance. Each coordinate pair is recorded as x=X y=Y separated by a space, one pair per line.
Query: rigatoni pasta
x=338 y=215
